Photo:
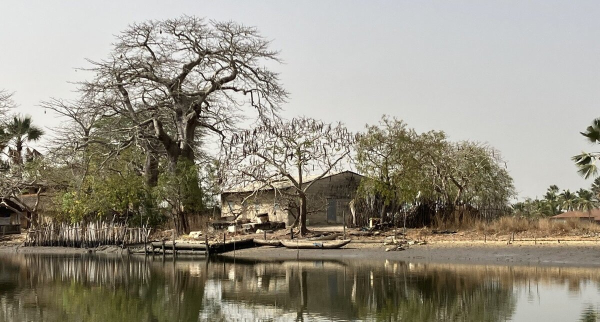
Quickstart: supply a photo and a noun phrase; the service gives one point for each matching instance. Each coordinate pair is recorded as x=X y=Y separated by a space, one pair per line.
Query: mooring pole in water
x=344 y=216
x=264 y=234
x=207 y=249
x=291 y=232
x=174 y=251
x=145 y=242
x=163 y=247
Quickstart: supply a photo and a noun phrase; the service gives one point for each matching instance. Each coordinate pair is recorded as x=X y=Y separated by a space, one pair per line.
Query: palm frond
x=588 y=170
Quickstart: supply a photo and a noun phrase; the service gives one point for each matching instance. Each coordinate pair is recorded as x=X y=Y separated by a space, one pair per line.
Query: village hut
x=11 y=214
x=593 y=216
x=327 y=201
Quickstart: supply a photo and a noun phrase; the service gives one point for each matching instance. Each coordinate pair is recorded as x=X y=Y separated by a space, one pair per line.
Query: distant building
x=594 y=216
x=11 y=214
x=327 y=200
x=15 y=211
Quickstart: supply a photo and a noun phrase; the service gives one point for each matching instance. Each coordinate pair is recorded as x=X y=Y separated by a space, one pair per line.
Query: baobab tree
x=167 y=83
x=175 y=76
x=287 y=151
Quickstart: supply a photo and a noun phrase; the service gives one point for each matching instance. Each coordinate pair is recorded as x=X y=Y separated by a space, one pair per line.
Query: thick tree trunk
x=151 y=171
x=178 y=149
x=183 y=224
x=180 y=217
x=303 y=211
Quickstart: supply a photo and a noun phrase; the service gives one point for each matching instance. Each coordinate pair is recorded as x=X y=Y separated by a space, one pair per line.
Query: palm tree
x=551 y=198
x=596 y=187
x=586 y=202
x=567 y=200
x=586 y=161
x=17 y=132
x=541 y=207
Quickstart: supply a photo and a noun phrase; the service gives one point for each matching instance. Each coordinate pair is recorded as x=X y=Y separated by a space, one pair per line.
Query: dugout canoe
x=308 y=244
x=325 y=237
x=267 y=242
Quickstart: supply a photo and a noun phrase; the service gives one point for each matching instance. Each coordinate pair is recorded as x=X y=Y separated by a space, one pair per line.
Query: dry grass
x=537 y=227
x=532 y=227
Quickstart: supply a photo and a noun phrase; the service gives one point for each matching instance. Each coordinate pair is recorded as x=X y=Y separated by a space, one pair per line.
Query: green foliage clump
x=181 y=189
x=403 y=166
x=120 y=196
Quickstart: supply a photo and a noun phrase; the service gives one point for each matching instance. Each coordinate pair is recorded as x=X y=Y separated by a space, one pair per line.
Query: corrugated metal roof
x=595 y=214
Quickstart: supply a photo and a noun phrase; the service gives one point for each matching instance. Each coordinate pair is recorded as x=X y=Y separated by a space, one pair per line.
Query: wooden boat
x=326 y=237
x=308 y=244
x=214 y=248
x=231 y=245
x=267 y=242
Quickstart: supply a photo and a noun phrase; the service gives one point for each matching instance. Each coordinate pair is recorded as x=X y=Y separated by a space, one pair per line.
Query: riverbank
x=4 y=249
x=563 y=254
x=547 y=253
x=573 y=251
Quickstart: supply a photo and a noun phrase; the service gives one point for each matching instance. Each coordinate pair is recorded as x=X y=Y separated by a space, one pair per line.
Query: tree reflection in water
x=589 y=314
x=102 y=288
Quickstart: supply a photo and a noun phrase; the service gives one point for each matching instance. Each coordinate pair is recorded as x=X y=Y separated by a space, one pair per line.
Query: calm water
x=102 y=288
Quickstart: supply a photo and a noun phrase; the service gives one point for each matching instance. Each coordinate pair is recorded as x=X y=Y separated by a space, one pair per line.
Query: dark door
x=331 y=210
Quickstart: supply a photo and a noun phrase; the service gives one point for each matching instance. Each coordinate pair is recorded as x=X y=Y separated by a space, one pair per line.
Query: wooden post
x=145 y=242
x=404 y=229
x=291 y=232
x=163 y=247
x=207 y=249
x=344 y=218
x=174 y=251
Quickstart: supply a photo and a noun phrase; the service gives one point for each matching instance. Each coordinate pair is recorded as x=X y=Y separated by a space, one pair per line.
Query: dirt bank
x=572 y=254
x=574 y=251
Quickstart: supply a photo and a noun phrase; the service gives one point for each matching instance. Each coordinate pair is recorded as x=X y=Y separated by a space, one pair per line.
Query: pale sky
x=522 y=76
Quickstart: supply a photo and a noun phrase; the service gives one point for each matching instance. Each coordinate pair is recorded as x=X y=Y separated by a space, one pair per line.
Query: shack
x=592 y=216
x=327 y=201
x=11 y=214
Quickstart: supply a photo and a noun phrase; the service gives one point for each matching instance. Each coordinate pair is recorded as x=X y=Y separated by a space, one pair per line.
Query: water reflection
x=102 y=288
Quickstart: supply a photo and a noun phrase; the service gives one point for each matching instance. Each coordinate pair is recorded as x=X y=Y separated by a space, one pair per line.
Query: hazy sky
x=522 y=76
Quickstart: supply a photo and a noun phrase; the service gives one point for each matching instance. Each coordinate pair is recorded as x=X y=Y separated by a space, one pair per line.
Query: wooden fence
x=86 y=235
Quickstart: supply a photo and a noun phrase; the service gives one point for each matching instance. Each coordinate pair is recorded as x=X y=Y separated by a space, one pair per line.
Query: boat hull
x=306 y=244
x=267 y=242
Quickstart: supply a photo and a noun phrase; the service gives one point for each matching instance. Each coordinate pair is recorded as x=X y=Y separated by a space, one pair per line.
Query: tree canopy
x=287 y=151
x=404 y=167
